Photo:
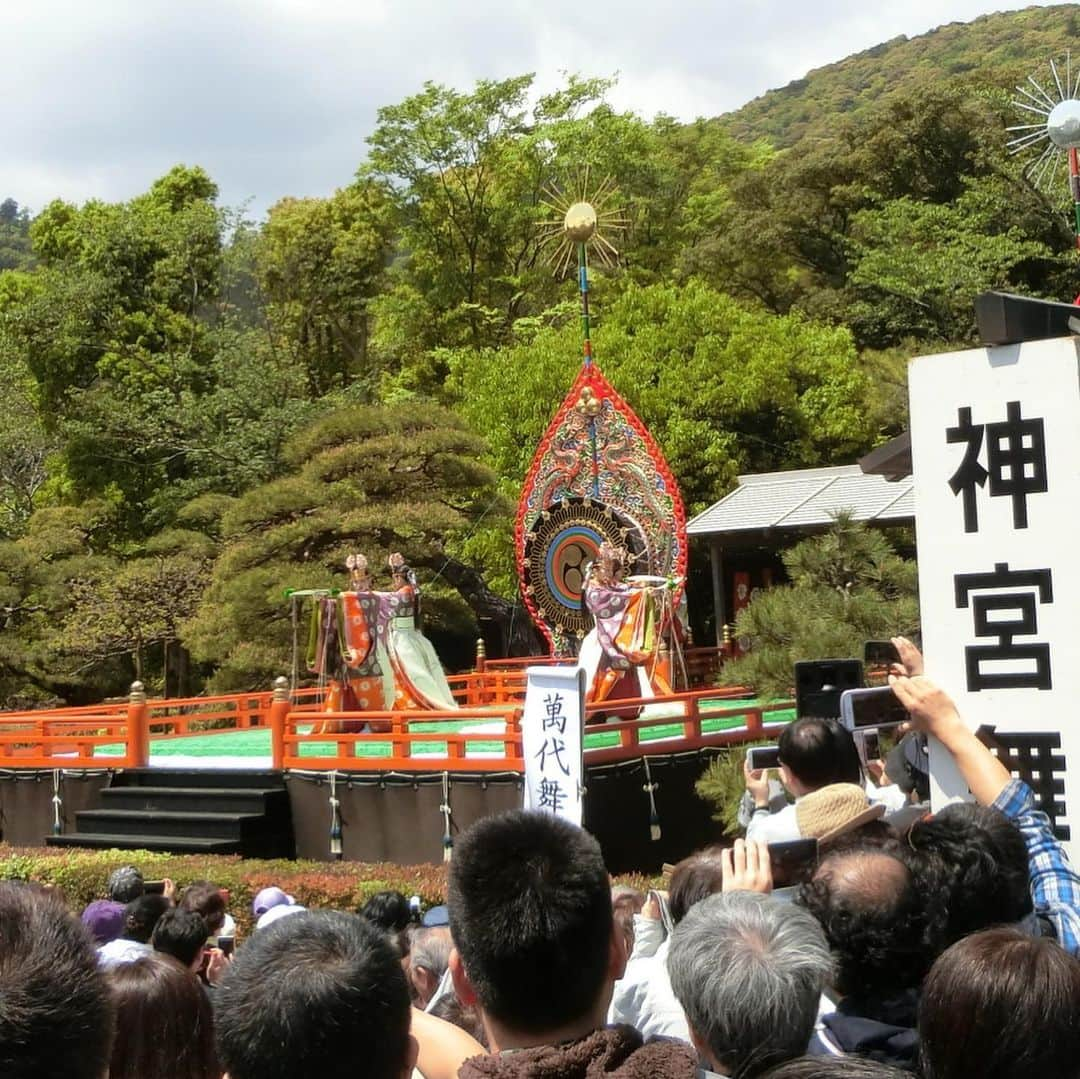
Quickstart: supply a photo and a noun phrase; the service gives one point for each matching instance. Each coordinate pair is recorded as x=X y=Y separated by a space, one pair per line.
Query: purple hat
x=270 y=897
x=105 y=920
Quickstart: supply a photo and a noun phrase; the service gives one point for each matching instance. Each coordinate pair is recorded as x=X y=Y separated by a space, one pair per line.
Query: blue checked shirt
x=1055 y=885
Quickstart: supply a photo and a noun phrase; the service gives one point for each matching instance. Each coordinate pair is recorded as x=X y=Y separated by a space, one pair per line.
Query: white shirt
x=643 y=997
x=122 y=951
x=777 y=827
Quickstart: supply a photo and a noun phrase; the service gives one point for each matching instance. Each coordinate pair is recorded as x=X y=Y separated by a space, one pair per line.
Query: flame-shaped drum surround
x=596 y=450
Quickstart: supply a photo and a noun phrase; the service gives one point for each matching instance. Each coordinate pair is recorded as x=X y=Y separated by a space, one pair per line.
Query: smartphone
x=819 y=683
x=154 y=887
x=880 y=653
x=871 y=745
x=665 y=911
x=875 y=708
x=226 y=944
x=759 y=757
x=792 y=862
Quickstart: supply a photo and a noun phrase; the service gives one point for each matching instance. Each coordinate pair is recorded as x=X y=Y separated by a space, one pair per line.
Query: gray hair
x=748 y=971
x=429 y=947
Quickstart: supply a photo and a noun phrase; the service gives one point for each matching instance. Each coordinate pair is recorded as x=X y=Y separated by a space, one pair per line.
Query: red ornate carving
x=596 y=447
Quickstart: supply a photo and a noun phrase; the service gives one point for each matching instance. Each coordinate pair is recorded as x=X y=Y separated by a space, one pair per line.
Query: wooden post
x=716 y=563
x=478 y=696
x=279 y=713
x=138 y=728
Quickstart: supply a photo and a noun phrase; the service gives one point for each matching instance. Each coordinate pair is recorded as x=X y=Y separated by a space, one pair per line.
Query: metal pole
x=1074 y=187
x=586 y=348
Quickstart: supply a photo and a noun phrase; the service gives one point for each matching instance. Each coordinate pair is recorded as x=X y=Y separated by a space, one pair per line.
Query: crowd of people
x=945 y=947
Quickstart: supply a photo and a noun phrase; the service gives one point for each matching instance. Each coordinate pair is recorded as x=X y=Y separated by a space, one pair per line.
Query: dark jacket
x=878 y=1028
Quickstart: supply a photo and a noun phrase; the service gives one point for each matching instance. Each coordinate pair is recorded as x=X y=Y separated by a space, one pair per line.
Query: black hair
x=164 y=1026
x=141 y=915
x=982 y=860
x=314 y=994
x=181 y=934
x=882 y=917
x=834 y=1067
x=56 y=1014
x=530 y=914
x=1001 y=1005
x=819 y=752
x=206 y=899
x=388 y=911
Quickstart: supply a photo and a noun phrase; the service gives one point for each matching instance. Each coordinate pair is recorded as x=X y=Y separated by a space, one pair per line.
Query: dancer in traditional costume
x=625 y=643
x=348 y=649
x=419 y=679
x=370 y=674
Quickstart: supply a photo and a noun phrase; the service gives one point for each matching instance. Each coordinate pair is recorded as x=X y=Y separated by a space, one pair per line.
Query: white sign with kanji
x=995 y=439
x=551 y=729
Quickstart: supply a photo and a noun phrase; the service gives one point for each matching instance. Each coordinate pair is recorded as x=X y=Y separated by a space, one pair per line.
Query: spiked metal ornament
x=581 y=217
x=1057 y=131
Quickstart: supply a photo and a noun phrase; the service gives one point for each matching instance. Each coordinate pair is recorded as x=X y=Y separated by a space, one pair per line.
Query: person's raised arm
x=933 y=711
x=911 y=661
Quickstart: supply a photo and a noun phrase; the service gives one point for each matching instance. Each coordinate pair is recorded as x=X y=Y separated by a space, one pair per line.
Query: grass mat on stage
x=256 y=743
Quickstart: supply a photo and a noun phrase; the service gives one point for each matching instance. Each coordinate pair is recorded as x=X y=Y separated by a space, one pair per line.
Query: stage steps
x=189 y=811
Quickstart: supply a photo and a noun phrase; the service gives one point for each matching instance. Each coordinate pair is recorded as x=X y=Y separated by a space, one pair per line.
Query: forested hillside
x=996 y=50
x=203 y=411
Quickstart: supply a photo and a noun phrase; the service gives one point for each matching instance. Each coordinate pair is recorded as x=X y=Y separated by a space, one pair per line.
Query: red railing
x=55 y=742
x=690 y=736
x=403 y=742
x=73 y=737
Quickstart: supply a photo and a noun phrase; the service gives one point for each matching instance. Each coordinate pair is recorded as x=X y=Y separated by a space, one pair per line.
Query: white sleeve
x=774 y=827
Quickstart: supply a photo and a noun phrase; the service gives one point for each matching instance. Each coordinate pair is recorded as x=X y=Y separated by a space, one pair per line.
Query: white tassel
x=335 y=818
x=650 y=787
x=447 y=839
x=57 y=801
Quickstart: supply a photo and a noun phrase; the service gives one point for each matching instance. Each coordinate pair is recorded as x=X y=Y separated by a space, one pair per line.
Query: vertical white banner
x=551 y=727
x=995 y=438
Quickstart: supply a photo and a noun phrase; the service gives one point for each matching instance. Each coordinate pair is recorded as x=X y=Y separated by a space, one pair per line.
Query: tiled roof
x=805 y=498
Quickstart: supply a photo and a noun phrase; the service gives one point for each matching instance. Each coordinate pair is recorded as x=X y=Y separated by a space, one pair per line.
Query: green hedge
x=81 y=876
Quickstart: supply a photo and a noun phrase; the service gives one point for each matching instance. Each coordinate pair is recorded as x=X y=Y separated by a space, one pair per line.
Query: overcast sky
x=276 y=97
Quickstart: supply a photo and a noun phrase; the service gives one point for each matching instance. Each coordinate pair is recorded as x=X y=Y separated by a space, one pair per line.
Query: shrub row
x=81 y=876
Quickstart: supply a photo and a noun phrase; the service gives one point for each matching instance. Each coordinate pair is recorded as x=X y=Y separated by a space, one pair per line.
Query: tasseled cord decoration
x=649 y=787
x=335 y=818
x=447 y=838
x=57 y=802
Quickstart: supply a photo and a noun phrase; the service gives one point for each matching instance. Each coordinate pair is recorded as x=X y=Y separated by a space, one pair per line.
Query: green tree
x=25 y=447
x=59 y=546
x=320 y=263
x=846 y=587
x=918 y=266
x=111 y=326
x=133 y=610
x=874 y=209
x=469 y=173
x=723 y=388
x=15 y=251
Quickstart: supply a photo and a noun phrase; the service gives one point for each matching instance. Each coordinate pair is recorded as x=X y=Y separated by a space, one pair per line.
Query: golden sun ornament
x=583 y=222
